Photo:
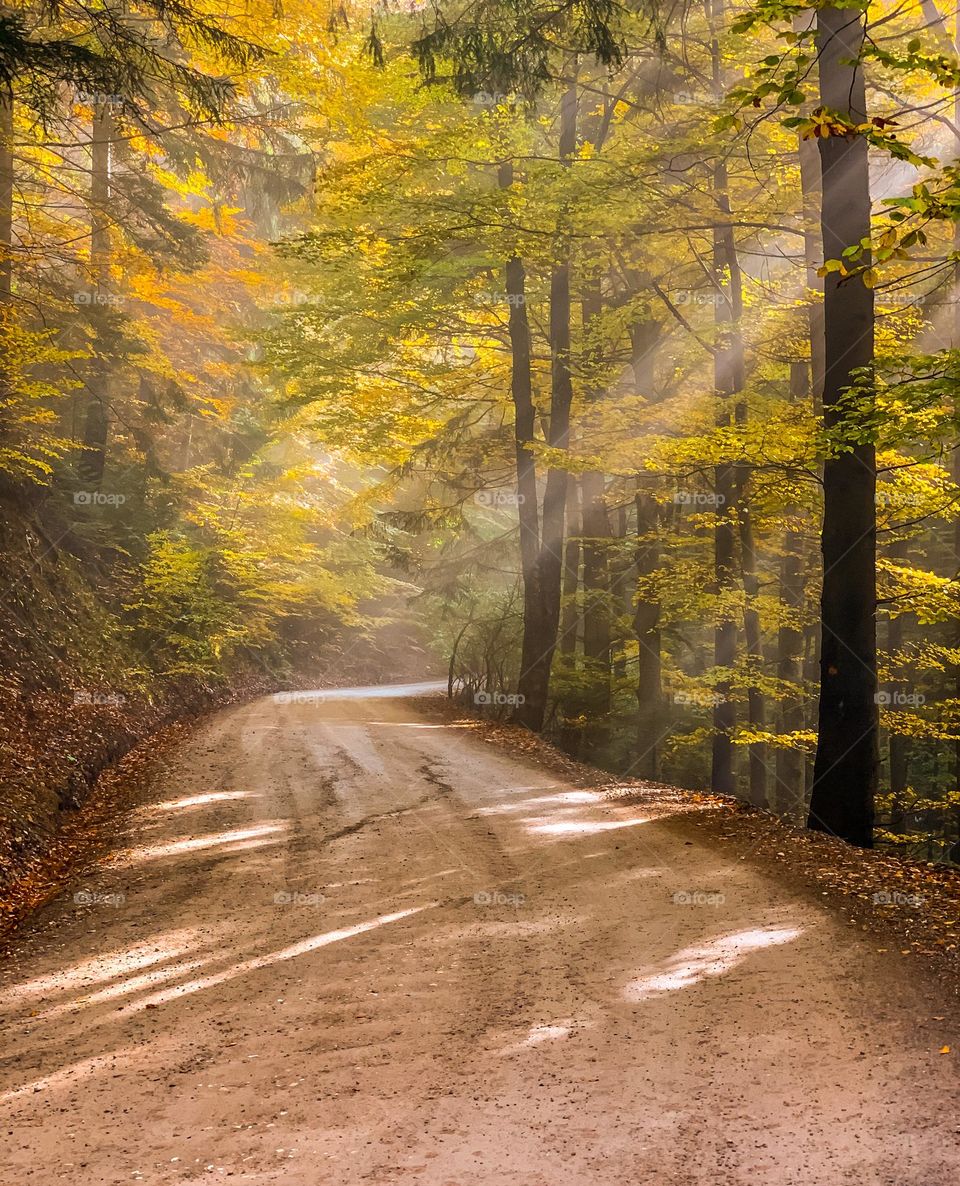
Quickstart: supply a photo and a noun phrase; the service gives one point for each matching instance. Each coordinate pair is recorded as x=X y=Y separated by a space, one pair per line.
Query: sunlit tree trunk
x=540 y=640
x=728 y=381
x=846 y=766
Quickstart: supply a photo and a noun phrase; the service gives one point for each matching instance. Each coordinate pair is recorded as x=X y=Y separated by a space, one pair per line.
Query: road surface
x=345 y=943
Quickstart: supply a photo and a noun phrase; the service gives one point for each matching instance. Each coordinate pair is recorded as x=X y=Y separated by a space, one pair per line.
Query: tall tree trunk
x=6 y=193
x=621 y=600
x=596 y=561
x=647 y=627
x=728 y=381
x=753 y=636
x=531 y=698
x=570 y=619
x=6 y=237
x=790 y=789
x=846 y=767
x=644 y=341
x=539 y=644
x=898 y=746
x=96 y=423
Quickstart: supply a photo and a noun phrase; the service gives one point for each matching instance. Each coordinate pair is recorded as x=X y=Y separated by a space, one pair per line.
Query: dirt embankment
x=75 y=697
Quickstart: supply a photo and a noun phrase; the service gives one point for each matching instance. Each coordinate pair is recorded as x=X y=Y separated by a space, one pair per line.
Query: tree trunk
x=647 y=626
x=728 y=380
x=570 y=618
x=621 y=599
x=540 y=639
x=897 y=744
x=96 y=427
x=846 y=767
x=531 y=696
x=596 y=567
x=790 y=789
x=6 y=193
x=644 y=342
x=753 y=635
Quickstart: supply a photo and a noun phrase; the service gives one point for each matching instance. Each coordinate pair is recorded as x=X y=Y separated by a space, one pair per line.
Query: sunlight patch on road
x=121 y=988
x=67 y=1076
x=561 y=799
x=203 y=800
x=174 y=848
x=694 y=964
x=581 y=827
x=108 y=966
x=537 y=1035
x=304 y=947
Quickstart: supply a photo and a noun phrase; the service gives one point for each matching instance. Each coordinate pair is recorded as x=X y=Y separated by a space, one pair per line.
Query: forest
x=608 y=349
x=480 y=613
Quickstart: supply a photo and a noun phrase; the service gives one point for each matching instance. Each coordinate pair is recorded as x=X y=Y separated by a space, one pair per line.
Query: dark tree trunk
x=540 y=633
x=647 y=627
x=570 y=619
x=897 y=745
x=846 y=767
x=532 y=697
x=644 y=342
x=728 y=381
x=595 y=526
x=6 y=193
x=753 y=635
x=621 y=600
x=96 y=427
x=790 y=788
x=531 y=687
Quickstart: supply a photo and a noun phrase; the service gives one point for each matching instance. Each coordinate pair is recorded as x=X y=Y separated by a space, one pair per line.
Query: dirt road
x=345 y=944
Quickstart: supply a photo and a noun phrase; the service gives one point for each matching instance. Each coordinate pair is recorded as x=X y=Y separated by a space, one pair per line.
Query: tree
x=846 y=768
